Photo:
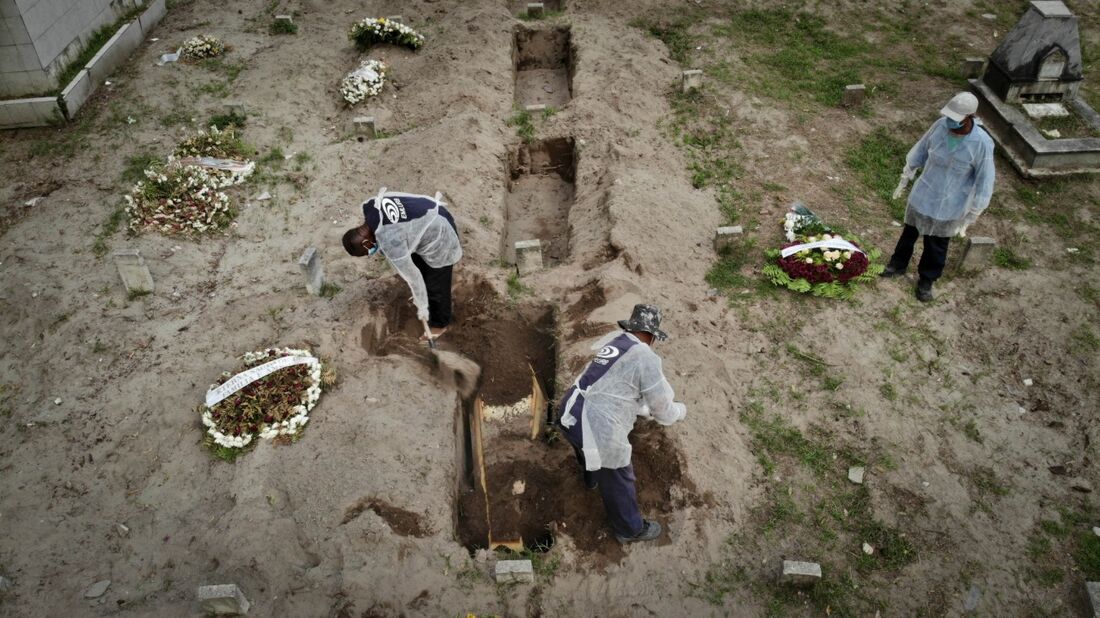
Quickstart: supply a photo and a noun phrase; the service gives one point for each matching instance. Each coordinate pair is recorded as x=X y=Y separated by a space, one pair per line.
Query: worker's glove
x=962 y=230
x=422 y=314
x=906 y=175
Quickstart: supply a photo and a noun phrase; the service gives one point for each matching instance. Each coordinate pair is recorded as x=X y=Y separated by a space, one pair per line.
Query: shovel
x=453 y=368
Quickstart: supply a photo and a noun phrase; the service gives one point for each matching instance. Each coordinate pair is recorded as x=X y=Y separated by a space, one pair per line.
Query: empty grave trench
x=541 y=186
x=543 y=62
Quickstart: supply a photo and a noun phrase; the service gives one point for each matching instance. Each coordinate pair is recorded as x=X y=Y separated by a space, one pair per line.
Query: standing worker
x=418 y=236
x=623 y=382
x=954 y=188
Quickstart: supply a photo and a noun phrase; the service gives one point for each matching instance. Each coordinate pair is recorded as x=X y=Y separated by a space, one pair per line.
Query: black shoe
x=892 y=272
x=650 y=531
x=924 y=291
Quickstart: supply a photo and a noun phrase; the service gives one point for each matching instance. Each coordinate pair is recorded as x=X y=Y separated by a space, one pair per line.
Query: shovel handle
x=428 y=334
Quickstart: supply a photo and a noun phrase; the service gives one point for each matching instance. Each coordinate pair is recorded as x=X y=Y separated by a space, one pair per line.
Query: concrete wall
x=39 y=37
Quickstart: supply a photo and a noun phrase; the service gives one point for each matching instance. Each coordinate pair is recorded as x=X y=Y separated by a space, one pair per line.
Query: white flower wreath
x=366 y=81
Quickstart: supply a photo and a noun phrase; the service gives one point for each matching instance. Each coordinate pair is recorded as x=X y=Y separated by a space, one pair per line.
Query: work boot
x=590 y=480
x=650 y=531
x=891 y=271
x=924 y=291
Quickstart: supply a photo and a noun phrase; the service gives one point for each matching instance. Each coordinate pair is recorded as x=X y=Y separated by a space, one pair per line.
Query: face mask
x=951 y=124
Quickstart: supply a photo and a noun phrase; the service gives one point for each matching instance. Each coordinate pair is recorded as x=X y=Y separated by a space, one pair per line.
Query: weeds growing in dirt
x=516 y=288
x=877 y=161
x=282 y=26
x=521 y=120
x=231 y=119
x=108 y=229
x=1007 y=258
x=329 y=290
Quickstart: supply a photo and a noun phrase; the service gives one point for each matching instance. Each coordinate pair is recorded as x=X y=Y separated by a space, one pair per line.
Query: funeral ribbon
x=834 y=243
x=248 y=376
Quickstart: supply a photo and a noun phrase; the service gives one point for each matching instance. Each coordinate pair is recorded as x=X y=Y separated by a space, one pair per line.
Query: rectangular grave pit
x=541 y=189
x=542 y=59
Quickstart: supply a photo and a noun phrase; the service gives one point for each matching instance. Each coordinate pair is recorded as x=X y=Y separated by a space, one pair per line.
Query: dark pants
x=438 y=283
x=620 y=500
x=932 y=259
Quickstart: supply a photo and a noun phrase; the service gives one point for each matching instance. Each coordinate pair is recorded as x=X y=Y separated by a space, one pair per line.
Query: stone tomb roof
x=1046 y=27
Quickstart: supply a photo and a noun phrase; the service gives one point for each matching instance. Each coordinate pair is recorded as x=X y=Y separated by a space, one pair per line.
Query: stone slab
x=313 y=270
x=76 y=93
x=691 y=79
x=152 y=16
x=800 y=573
x=973 y=598
x=726 y=237
x=115 y=52
x=1045 y=110
x=853 y=95
x=537 y=108
x=97 y=589
x=223 y=600
x=34 y=112
x=364 y=125
x=528 y=256
x=536 y=9
x=1093 y=588
x=978 y=252
x=973 y=67
x=133 y=271
x=514 y=571
x=855 y=474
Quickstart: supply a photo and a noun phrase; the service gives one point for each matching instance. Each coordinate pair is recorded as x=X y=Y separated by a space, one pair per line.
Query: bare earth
x=359 y=517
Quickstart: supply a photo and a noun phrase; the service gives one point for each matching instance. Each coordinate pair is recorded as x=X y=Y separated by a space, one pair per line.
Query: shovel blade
x=458 y=371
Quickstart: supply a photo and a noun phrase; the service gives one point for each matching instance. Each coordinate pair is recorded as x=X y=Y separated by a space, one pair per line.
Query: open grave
x=543 y=64
x=541 y=187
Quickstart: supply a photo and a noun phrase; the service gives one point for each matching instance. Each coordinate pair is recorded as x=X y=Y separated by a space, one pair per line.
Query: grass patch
x=725 y=274
x=275 y=158
x=1007 y=258
x=282 y=26
x=108 y=229
x=136 y=166
x=96 y=42
x=877 y=160
x=673 y=34
x=136 y=294
x=516 y=288
x=1083 y=340
x=232 y=119
x=329 y=290
x=773 y=437
x=521 y=120
x=1087 y=555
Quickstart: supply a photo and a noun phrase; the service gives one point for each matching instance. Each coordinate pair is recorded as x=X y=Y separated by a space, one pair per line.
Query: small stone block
x=1037 y=111
x=135 y=274
x=855 y=474
x=853 y=95
x=725 y=237
x=692 y=79
x=536 y=9
x=978 y=252
x=223 y=600
x=5 y=585
x=364 y=125
x=97 y=589
x=1093 y=589
x=534 y=109
x=528 y=256
x=311 y=266
x=287 y=18
x=800 y=573
x=972 y=67
x=237 y=109
x=514 y=571
x=396 y=18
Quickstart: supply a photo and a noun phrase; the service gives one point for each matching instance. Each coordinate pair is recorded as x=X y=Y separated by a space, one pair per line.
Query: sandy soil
x=359 y=517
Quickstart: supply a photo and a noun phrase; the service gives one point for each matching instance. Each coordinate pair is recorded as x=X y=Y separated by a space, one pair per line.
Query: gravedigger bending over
x=623 y=382
x=418 y=236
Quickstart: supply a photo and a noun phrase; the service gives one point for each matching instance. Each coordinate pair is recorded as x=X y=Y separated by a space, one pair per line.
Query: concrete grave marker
x=800 y=573
x=534 y=109
x=396 y=18
x=285 y=18
x=972 y=67
x=978 y=252
x=135 y=274
x=536 y=9
x=528 y=256
x=692 y=79
x=855 y=474
x=1093 y=589
x=223 y=600
x=854 y=95
x=234 y=108
x=311 y=266
x=727 y=237
x=364 y=126
x=514 y=571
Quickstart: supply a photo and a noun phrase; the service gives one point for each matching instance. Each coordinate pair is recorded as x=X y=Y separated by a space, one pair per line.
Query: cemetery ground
x=974 y=417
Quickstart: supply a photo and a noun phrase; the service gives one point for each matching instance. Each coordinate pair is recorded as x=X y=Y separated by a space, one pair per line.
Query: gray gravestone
x=800 y=573
x=692 y=79
x=727 y=237
x=310 y=263
x=135 y=274
x=528 y=256
x=977 y=253
x=534 y=109
x=535 y=9
x=364 y=125
x=514 y=571
x=972 y=67
x=853 y=95
x=223 y=600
